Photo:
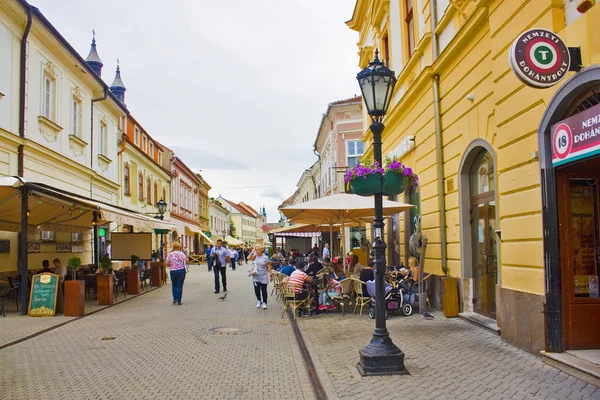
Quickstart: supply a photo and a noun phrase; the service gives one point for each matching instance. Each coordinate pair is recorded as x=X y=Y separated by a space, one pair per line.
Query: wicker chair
x=344 y=298
x=289 y=297
x=359 y=299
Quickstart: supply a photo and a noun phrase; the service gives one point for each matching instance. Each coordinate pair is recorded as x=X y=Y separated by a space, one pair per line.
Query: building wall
x=504 y=115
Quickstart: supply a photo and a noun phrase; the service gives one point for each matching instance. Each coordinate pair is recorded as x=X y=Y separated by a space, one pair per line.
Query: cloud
x=272 y=193
x=202 y=160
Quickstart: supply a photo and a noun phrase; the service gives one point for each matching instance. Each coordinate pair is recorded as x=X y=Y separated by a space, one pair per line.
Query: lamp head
x=376 y=83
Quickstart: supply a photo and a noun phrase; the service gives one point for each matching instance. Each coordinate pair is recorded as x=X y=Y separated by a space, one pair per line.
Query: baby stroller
x=395 y=299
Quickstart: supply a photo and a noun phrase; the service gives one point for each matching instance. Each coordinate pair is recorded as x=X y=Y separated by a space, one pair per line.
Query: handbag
x=252 y=268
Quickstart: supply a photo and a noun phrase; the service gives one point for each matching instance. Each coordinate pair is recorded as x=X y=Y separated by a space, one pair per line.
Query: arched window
x=126 y=180
x=149 y=189
x=141 y=187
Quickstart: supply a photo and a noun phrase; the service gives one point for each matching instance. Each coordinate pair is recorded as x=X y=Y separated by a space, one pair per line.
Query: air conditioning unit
x=48 y=236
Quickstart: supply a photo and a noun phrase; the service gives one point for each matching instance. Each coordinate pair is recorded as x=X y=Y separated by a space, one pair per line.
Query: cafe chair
x=289 y=297
x=359 y=299
x=344 y=298
x=146 y=279
x=90 y=286
x=8 y=294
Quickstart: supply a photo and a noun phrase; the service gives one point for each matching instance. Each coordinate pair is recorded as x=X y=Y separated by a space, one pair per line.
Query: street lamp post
x=162 y=208
x=380 y=356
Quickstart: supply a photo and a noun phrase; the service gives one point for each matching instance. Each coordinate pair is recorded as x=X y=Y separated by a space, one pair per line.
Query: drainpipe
x=22 y=88
x=438 y=138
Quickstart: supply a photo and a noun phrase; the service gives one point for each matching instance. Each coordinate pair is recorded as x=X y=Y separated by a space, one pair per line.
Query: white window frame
x=48 y=236
x=144 y=144
x=48 y=96
x=76 y=116
x=160 y=157
x=77 y=237
x=151 y=149
x=103 y=138
x=355 y=153
x=136 y=136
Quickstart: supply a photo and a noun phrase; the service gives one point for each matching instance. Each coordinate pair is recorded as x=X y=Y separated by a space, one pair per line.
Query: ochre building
x=522 y=234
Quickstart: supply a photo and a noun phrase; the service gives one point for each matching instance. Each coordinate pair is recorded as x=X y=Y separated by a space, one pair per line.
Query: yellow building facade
x=478 y=138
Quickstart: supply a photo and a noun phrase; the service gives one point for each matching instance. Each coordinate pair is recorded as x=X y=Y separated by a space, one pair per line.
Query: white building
x=219 y=220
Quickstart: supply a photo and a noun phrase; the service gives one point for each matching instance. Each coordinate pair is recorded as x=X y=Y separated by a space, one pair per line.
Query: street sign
x=576 y=137
x=539 y=58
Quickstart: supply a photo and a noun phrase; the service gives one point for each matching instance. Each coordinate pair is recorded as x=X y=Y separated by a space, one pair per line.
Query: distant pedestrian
x=209 y=259
x=260 y=281
x=233 y=258
x=177 y=261
x=326 y=252
x=221 y=257
x=315 y=251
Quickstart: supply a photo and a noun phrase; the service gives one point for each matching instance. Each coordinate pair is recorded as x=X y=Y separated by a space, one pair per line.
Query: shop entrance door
x=579 y=217
x=485 y=269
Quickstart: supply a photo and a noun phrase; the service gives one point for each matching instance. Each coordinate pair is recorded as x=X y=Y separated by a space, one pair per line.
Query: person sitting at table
x=338 y=270
x=334 y=288
x=299 y=278
x=314 y=266
x=355 y=266
x=287 y=269
x=59 y=269
x=46 y=268
x=367 y=274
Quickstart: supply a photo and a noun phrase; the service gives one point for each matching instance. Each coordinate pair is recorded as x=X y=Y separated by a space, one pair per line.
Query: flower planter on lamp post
x=380 y=356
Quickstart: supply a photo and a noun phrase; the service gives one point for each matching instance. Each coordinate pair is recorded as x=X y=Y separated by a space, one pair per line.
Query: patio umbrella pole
x=381 y=356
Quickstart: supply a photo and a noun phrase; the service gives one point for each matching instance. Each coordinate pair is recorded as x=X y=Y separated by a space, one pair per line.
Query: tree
x=231 y=228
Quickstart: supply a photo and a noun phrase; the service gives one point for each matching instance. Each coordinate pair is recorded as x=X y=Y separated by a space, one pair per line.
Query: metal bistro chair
x=146 y=279
x=90 y=286
x=289 y=297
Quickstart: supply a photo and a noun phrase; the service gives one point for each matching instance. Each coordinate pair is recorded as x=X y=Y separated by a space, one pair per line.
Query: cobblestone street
x=163 y=351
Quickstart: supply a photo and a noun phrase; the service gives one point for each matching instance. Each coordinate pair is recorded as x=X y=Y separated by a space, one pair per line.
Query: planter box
x=156 y=275
x=366 y=185
x=133 y=282
x=104 y=284
x=450 y=297
x=74 y=298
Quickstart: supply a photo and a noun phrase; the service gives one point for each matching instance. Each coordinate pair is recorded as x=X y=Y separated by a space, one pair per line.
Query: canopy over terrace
x=26 y=206
x=341 y=209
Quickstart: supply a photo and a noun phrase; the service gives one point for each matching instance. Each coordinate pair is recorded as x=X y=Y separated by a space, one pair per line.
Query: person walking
x=221 y=256
x=177 y=261
x=260 y=281
x=233 y=257
x=209 y=260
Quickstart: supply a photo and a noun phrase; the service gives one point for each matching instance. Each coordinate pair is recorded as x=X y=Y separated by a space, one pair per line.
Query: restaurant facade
x=508 y=168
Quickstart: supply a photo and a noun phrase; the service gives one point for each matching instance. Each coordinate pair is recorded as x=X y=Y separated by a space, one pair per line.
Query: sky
x=235 y=88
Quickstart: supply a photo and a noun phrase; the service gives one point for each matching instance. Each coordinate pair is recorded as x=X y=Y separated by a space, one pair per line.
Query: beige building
x=219 y=220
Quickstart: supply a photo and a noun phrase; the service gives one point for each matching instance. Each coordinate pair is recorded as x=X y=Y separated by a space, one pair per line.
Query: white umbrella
x=341 y=209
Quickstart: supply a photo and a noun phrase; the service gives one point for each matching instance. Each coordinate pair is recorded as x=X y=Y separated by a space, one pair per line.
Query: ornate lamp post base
x=381 y=357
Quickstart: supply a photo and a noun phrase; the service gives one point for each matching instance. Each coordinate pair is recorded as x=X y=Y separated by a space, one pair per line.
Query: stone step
x=481 y=320
x=574 y=365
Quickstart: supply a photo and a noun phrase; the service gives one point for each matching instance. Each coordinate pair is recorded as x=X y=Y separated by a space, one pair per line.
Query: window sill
x=49 y=129
x=104 y=159
x=127 y=194
x=77 y=140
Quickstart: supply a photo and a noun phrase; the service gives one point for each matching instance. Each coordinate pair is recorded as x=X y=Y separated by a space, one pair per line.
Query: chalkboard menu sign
x=44 y=288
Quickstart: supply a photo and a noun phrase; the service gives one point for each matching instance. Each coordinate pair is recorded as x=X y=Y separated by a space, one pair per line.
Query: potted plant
x=133 y=276
x=365 y=178
x=105 y=265
x=397 y=177
x=73 y=265
x=74 y=291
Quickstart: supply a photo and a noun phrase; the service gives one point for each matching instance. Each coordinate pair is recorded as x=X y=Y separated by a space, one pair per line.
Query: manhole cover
x=228 y=330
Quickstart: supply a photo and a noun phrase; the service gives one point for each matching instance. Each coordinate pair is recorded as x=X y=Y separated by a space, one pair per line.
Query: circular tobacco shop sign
x=539 y=58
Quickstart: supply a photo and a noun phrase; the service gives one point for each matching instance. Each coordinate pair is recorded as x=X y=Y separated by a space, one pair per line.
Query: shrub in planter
x=365 y=178
x=73 y=265
x=106 y=264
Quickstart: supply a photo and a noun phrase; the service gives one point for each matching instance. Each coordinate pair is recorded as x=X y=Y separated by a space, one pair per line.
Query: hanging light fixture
x=95 y=218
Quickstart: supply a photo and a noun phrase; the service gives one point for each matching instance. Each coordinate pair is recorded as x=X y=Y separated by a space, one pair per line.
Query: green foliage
x=74 y=263
x=231 y=228
x=134 y=260
x=105 y=263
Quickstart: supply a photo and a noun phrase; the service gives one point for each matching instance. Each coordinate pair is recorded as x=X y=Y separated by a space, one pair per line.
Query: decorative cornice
x=49 y=129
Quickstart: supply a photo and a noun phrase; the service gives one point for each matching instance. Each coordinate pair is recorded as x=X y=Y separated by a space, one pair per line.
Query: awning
x=233 y=241
x=193 y=230
x=57 y=210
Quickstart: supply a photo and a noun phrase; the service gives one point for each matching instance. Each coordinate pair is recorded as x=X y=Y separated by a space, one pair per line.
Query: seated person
x=355 y=266
x=338 y=270
x=46 y=265
x=299 y=278
x=334 y=288
x=367 y=274
x=287 y=269
x=314 y=266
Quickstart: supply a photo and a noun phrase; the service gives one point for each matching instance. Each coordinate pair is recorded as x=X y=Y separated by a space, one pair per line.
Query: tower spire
x=93 y=59
x=118 y=87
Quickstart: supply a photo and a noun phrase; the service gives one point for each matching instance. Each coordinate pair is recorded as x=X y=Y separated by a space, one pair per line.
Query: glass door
x=485 y=269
